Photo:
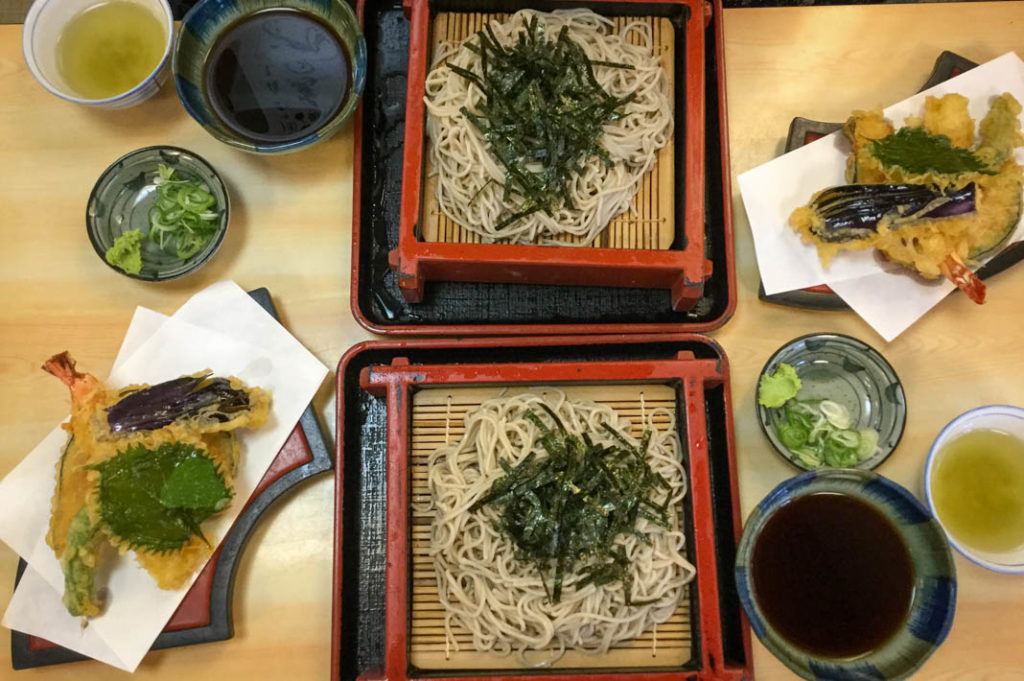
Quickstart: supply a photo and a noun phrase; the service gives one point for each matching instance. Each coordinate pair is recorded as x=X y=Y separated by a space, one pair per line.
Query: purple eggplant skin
x=853 y=211
x=178 y=399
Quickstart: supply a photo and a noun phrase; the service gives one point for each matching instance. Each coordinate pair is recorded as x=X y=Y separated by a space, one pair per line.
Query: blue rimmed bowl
x=209 y=20
x=934 y=587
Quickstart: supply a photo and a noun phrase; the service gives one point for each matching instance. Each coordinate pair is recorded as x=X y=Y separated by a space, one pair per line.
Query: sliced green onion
x=184 y=216
x=800 y=413
x=868 y=443
x=195 y=200
x=808 y=457
x=836 y=414
x=793 y=435
x=819 y=433
x=172 y=215
x=849 y=439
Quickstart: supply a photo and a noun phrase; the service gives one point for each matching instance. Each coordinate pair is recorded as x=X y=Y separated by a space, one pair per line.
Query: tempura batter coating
x=940 y=242
x=184 y=426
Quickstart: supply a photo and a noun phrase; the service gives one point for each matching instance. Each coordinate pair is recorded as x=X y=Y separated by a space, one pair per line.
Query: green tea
x=110 y=48
x=978 y=490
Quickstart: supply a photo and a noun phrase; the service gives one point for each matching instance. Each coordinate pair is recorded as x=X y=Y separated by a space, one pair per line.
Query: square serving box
x=659 y=245
x=400 y=400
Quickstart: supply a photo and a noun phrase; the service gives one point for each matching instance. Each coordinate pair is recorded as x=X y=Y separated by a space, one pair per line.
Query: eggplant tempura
x=925 y=196
x=142 y=468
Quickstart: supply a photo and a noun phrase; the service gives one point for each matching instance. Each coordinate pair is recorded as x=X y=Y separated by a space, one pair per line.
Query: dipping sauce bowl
x=844 y=574
x=270 y=77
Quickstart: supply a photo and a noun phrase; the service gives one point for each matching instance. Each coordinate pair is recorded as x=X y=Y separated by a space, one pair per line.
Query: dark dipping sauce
x=277 y=75
x=832 y=575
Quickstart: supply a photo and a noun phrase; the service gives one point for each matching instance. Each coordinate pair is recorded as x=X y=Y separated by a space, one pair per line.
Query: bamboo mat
x=650 y=227
x=437 y=418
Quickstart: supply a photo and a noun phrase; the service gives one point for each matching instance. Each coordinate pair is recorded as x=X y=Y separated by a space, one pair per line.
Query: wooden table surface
x=290 y=232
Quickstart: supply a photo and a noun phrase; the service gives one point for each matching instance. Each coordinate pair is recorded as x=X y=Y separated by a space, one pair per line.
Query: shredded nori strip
x=564 y=512
x=542 y=114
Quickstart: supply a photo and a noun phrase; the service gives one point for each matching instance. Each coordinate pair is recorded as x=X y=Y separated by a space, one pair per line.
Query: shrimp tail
x=63 y=367
x=967 y=281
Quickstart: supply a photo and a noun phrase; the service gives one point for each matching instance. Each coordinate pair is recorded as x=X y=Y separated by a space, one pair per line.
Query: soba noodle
x=502 y=601
x=470 y=181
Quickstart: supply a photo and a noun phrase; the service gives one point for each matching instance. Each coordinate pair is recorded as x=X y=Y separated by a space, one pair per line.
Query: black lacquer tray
x=206 y=615
x=358 y=639
x=804 y=131
x=481 y=308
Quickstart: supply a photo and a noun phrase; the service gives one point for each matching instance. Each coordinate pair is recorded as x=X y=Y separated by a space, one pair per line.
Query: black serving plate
x=305 y=454
x=358 y=640
x=485 y=308
x=804 y=131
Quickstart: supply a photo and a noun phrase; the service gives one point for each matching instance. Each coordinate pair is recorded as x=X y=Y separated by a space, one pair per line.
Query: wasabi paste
x=126 y=253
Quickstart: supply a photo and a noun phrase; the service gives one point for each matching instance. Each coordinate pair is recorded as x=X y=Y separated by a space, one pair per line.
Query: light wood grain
x=290 y=231
x=821 y=63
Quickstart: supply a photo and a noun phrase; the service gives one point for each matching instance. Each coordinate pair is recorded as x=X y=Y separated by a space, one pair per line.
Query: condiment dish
x=929 y=574
x=849 y=372
x=1000 y=418
x=125 y=194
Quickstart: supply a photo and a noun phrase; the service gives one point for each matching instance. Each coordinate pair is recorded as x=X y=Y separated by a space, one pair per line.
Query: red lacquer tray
x=373 y=624
x=681 y=268
x=481 y=308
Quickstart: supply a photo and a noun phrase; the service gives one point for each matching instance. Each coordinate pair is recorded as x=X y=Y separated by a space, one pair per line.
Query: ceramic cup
x=44 y=25
x=1000 y=417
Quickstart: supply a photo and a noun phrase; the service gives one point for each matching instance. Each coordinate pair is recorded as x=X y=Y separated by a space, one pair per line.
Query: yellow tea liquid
x=110 y=48
x=978 y=490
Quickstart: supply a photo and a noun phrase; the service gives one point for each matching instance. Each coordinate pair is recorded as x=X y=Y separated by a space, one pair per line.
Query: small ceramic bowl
x=125 y=192
x=44 y=25
x=208 y=20
x=847 y=371
x=932 y=604
x=1006 y=419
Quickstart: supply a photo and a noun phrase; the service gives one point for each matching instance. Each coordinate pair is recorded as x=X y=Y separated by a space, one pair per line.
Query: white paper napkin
x=220 y=328
x=886 y=297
